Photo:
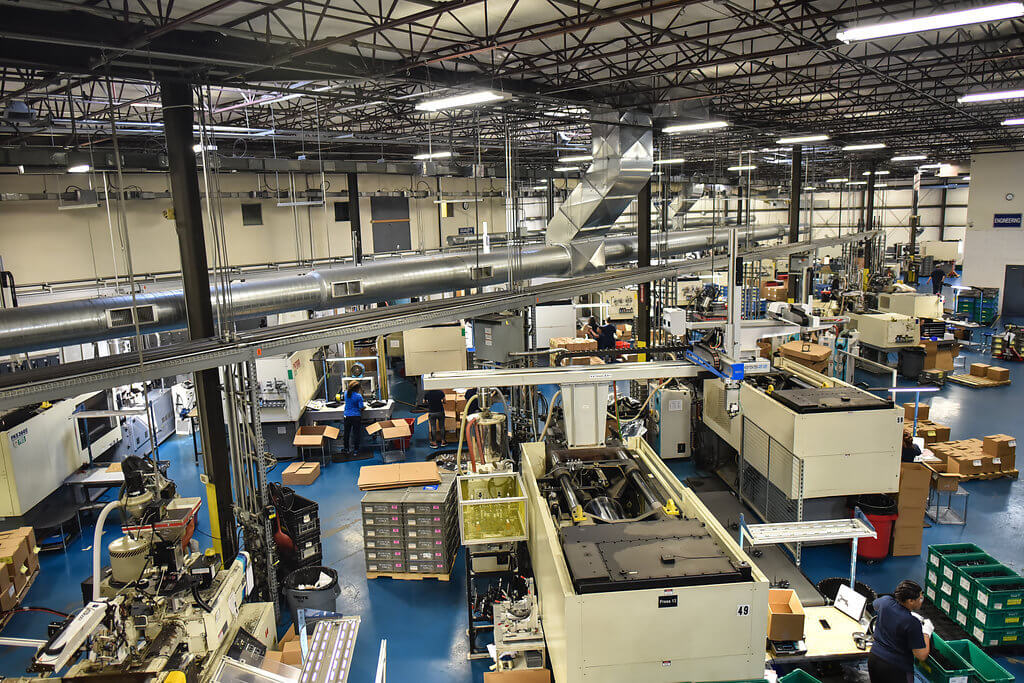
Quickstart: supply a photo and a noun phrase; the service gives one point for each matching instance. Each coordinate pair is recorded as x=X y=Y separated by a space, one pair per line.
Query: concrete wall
x=988 y=250
x=41 y=244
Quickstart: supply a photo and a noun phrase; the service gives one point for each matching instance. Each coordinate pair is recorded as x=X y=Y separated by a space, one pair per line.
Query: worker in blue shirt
x=354 y=405
x=901 y=636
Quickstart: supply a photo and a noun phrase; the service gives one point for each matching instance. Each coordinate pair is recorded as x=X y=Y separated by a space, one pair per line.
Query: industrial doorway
x=1013 y=292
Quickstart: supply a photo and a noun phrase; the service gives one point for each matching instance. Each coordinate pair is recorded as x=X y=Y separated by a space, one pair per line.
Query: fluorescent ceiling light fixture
x=539 y=187
x=1014 y=122
x=145 y=105
x=305 y=202
x=810 y=188
x=691 y=127
x=991 y=96
x=838 y=180
x=930 y=166
x=878 y=185
x=876 y=173
x=459 y=101
x=433 y=155
x=748 y=167
x=565 y=169
x=203 y=148
x=802 y=138
x=575 y=158
x=79 y=168
x=458 y=200
x=868 y=145
x=856 y=182
x=977 y=15
x=966 y=177
x=678 y=160
x=910 y=157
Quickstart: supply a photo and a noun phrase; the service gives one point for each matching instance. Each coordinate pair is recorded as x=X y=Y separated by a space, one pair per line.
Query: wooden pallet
x=976 y=382
x=18 y=600
x=408 y=576
x=1009 y=474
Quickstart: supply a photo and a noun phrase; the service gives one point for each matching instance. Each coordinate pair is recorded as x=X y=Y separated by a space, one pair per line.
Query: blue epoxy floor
x=425 y=622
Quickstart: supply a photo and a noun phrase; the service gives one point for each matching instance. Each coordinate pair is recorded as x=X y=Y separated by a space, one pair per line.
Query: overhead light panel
x=433 y=155
x=930 y=166
x=1014 y=122
x=910 y=157
x=748 y=167
x=693 y=127
x=876 y=173
x=803 y=138
x=79 y=168
x=575 y=158
x=869 y=145
x=203 y=148
x=460 y=101
x=565 y=169
x=934 y=22
x=679 y=160
x=838 y=180
x=967 y=178
x=991 y=96
x=856 y=182
x=878 y=185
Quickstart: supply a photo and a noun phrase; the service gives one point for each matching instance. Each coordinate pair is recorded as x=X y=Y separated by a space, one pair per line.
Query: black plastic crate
x=300 y=518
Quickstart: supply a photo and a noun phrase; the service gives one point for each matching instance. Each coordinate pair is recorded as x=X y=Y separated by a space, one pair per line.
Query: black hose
x=199 y=600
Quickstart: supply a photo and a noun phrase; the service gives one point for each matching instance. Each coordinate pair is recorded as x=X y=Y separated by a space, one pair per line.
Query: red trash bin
x=881 y=511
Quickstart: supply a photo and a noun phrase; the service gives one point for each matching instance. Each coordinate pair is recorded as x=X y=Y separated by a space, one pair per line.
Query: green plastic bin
x=959 y=671
x=968 y=575
x=799 y=676
x=952 y=567
x=1000 y=594
x=986 y=670
x=998 y=618
x=994 y=637
x=937 y=552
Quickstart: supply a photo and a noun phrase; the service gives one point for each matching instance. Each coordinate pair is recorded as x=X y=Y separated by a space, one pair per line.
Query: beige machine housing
x=433 y=349
x=842 y=452
x=717 y=632
x=886 y=330
x=621 y=304
x=911 y=304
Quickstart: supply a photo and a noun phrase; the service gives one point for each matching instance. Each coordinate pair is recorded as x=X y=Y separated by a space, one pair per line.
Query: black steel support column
x=915 y=216
x=195 y=275
x=643 y=259
x=942 y=216
x=550 y=208
x=353 y=217
x=795 y=188
x=440 y=216
x=869 y=215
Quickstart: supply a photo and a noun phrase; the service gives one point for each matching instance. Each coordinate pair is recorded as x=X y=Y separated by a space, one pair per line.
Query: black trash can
x=325 y=598
x=911 y=362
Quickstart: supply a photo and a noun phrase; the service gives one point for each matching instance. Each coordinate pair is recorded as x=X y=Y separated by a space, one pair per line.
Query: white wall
x=988 y=250
x=41 y=244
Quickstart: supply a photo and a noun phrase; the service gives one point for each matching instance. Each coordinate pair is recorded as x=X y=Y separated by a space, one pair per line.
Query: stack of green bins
x=799 y=676
x=944 y=665
x=997 y=611
x=942 y=579
x=984 y=668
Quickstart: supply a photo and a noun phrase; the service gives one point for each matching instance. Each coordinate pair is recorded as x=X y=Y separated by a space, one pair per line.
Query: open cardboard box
x=785 y=615
x=314 y=435
x=390 y=429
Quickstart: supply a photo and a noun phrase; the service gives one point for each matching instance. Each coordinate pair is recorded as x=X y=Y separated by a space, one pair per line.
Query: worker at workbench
x=901 y=635
x=354 y=406
x=910 y=449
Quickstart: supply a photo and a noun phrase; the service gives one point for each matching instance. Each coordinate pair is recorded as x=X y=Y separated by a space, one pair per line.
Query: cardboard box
x=291 y=653
x=518 y=676
x=312 y=436
x=775 y=290
x=300 y=473
x=813 y=356
x=114 y=467
x=980 y=369
x=785 y=615
x=8 y=593
x=915 y=482
x=908 y=412
x=390 y=429
x=931 y=432
x=1002 y=447
x=398 y=475
x=998 y=374
x=941 y=481
x=965 y=464
x=907 y=537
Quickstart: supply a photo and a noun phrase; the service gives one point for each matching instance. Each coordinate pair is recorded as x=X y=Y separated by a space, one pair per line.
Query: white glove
x=927 y=627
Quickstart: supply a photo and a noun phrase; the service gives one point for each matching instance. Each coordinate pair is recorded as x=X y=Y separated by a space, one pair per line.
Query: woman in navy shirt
x=900 y=636
x=354 y=405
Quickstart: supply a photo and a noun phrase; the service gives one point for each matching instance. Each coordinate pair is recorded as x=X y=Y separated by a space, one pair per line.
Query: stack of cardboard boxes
x=912 y=501
x=986 y=458
x=20 y=558
x=575 y=344
x=454 y=407
x=992 y=373
x=813 y=356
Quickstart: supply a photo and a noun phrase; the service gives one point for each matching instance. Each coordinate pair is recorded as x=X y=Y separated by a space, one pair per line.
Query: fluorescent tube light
x=432 y=155
x=856 y=182
x=878 y=185
x=876 y=173
x=803 y=138
x=869 y=145
x=201 y=148
x=930 y=166
x=458 y=200
x=1014 y=122
x=838 y=180
x=748 y=167
x=977 y=15
x=910 y=157
x=991 y=96
x=677 y=160
x=566 y=169
x=967 y=178
x=79 y=168
x=690 y=127
x=459 y=101
x=575 y=158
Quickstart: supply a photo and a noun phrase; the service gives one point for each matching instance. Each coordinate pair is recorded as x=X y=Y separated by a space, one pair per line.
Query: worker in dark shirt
x=938 y=277
x=606 y=335
x=900 y=636
x=910 y=449
x=435 y=417
x=354 y=405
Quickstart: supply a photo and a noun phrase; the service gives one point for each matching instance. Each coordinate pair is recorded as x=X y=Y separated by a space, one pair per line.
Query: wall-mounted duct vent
x=122 y=317
x=346 y=288
x=482 y=272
